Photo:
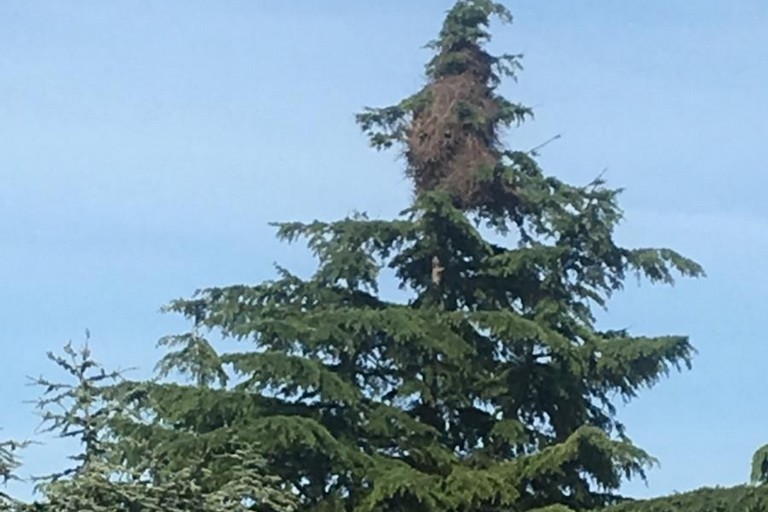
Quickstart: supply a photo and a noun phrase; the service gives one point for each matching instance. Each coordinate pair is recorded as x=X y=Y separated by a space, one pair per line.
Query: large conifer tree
x=490 y=388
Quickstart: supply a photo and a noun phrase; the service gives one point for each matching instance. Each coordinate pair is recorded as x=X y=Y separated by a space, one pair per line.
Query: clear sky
x=145 y=145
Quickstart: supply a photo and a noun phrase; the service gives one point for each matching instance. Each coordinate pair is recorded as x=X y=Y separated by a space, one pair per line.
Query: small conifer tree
x=114 y=473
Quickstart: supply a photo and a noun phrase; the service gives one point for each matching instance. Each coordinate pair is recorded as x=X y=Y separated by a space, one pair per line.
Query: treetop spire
x=450 y=128
x=466 y=23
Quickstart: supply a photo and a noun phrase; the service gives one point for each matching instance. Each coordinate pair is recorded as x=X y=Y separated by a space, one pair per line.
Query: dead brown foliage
x=453 y=135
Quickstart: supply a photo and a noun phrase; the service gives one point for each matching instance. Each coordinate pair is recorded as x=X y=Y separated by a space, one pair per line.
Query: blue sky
x=144 y=147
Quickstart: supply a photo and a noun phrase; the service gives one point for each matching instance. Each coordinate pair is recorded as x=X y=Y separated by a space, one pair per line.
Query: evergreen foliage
x=490 y=388
x=759 y=474
x=9 y=463
x=732 y=499
x=90 y=410
x=81 y=409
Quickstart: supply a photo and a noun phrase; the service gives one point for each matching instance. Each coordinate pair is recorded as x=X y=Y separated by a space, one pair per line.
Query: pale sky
x=144 y=147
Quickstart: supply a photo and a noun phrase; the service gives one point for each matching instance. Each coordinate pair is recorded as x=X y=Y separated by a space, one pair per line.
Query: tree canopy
x=488 y=387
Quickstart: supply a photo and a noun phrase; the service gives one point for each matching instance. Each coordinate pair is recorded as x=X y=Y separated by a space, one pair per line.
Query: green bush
x=742 y=498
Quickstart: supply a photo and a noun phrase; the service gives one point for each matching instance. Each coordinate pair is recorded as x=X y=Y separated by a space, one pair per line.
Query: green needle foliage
x=490 y=388
x=743 y=498
x=90 y=408
x=759 y=473
x=9 y=463
x=733 y=499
